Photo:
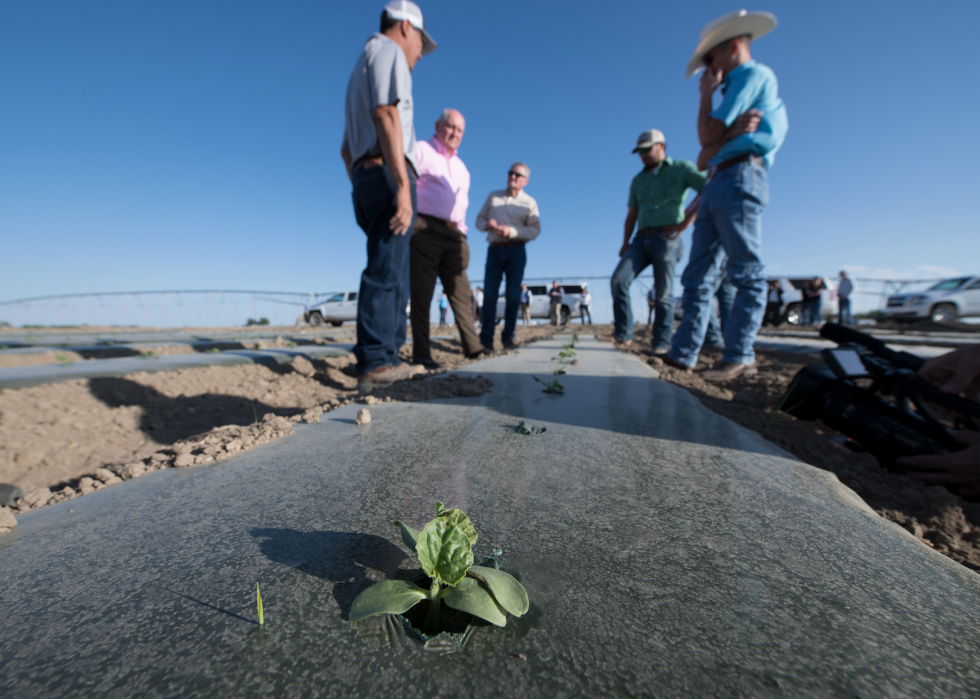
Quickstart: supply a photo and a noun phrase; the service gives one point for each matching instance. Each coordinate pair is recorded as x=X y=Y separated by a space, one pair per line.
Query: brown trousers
x=440 y=251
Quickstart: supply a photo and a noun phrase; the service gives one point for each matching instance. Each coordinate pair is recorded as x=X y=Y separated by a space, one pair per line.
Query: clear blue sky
x=169 y=145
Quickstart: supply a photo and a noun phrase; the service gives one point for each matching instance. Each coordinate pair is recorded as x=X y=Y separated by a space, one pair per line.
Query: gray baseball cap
x=648 y=138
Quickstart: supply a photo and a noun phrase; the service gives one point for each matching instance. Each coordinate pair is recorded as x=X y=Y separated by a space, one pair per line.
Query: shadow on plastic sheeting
x=343 y=558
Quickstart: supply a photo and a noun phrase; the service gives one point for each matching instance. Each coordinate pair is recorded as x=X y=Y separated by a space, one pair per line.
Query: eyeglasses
x=644 y=151
x=511 y=173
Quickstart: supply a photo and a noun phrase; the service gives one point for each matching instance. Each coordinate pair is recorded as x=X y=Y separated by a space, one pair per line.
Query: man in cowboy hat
x=729 y=220
x=656 y=209
x=379 y=153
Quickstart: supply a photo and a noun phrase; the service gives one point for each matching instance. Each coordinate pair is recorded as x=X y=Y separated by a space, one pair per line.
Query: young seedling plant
x=445 y=550
x=566 y=355
x=551 y=386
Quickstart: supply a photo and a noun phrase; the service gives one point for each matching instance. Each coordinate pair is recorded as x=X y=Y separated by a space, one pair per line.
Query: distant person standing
x=439 y=245
x=379 y=154
x=585 y=304
x=656 y=211
x=511 y=219
x=813 y=301
x=526 y=298
x=555 y=294
x=443 y=307
x=774 y=305
x=845 y=287
x=739 y=141
x=478 y=304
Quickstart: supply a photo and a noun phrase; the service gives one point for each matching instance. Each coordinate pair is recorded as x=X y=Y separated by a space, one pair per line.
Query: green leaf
x=508 y=592
x=471 y=596
x=387 y=597
x=409 y=536
x=460 y=519
x=444 y=551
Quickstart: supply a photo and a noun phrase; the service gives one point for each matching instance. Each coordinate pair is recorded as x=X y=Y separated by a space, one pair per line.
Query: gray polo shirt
x=380 y=77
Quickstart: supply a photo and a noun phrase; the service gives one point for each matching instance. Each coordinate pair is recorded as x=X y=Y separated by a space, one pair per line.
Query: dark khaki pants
x=440 y=251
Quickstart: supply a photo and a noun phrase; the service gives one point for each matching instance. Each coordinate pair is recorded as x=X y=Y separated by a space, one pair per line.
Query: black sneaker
x=429 y=363
x=510 y=346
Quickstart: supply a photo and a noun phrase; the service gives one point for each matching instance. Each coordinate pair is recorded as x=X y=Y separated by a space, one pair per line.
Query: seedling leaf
x=444 y=551
x=460 y=519
x=508 y=592
x=409 y=536
x=386 y=597
x=258 y=601
x=472 y=597
x=524 y=428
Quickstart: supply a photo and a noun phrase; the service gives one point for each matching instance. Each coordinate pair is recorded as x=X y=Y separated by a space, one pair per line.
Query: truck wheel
x=565 y=315
x=794 y=314
x=943 y=313
x=336 y=323
x=315 y=319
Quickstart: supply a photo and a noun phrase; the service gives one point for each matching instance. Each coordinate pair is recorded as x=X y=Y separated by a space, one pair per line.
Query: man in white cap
x=379 y=153
x=729 y=219
x=656 y=209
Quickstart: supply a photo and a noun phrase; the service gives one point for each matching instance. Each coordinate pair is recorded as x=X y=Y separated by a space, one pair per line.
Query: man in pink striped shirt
x=439 y=247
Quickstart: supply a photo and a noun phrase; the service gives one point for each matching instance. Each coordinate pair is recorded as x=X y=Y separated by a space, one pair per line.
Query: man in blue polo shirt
x=729 y=220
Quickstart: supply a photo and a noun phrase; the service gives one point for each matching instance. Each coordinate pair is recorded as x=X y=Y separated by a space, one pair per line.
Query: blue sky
x=189 y=145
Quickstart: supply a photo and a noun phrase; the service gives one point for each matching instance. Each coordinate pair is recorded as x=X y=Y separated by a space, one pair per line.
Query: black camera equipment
x=879 y=417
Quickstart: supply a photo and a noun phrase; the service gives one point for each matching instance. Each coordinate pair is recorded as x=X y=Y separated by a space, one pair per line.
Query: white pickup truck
x=335 y=310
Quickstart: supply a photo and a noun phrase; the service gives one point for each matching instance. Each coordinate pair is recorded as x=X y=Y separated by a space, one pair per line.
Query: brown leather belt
x=447 y=224
x=375 y=161
x=732 y=162
x=368 y=161
x=503 y=243
x=656 y=230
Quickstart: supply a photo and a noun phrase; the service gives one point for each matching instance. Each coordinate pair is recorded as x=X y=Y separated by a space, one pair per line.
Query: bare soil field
x=64 y=439
x=942 y=519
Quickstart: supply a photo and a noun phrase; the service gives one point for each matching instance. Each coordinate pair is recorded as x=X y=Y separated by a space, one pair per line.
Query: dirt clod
x=363 y=417
x=7 y=520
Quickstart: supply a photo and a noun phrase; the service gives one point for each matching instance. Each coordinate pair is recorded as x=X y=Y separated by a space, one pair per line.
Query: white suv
x=541 y=305
x=941 y=303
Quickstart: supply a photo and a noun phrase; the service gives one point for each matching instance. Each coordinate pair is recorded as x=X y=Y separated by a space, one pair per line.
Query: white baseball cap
x=405 y=9
x=648 y=138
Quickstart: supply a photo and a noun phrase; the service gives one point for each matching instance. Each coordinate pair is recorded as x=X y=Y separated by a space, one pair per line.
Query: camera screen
x=849 y=362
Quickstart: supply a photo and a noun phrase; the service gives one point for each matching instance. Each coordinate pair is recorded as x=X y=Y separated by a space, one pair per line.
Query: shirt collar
x=745 y=66
x=666 y=161
x=440 y=148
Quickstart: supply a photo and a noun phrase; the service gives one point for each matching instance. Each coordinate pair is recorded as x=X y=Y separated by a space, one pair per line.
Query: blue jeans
x=717 y=322
x=502 y=260
x=729 y=222
x=385 y=288
x=844 y=310
x=811 y=312
x=648 y=249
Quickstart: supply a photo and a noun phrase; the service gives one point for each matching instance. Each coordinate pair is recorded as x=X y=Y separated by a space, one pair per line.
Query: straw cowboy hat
x=734 y=24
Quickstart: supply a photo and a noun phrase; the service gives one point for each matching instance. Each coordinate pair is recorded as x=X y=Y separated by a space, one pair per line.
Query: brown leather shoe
x=725 y=371
x=670 y=361
x=387 y=374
